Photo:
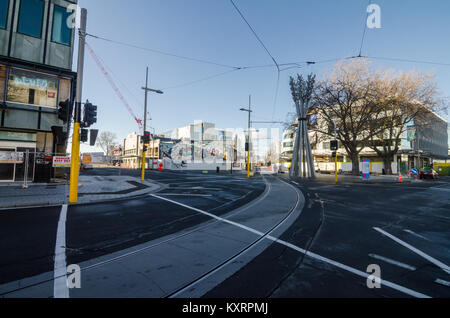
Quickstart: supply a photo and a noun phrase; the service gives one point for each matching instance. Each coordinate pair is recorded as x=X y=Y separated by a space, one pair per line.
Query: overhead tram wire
x=365 y=31
x=201 y=80
x=162 y=52
x=265 y=48
x=407 y=60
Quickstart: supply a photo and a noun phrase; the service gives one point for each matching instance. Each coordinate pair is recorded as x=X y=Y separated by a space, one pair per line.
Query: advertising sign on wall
x=32 y=88
x=11 y=157
x=59 y=162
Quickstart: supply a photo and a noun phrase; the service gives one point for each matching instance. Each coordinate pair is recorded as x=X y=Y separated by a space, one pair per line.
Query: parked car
x=87 y=167
x=428 y=173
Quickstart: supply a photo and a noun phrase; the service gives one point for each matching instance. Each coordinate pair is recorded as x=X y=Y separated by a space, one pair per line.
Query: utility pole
x=146 y=89
x=145 y=128
x=249 y=110
x=75 y=162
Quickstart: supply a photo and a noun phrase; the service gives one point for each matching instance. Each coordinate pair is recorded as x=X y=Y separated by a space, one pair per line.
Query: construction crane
x=113 y=85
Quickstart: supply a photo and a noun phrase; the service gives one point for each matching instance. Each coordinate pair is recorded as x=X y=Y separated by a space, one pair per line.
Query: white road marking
x=415 y=250
x=298 y=249
x=415 y=234
x=186 y=194
x=60 y=289
x=391 y=261
x=442 y=282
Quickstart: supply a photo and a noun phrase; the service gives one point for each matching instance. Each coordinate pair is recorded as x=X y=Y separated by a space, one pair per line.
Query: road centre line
x=393 y=262
x=415 y=250
x=296 y=248
x=60 y=289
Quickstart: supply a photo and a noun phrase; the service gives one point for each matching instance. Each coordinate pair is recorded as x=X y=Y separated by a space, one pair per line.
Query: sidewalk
x=372 y=179
x=92 y=189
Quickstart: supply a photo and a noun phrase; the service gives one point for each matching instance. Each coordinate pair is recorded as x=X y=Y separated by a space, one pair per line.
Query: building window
x=2 y=82
x=61 y=32
x=4 y=4
x=31 y=15
x=32 y=88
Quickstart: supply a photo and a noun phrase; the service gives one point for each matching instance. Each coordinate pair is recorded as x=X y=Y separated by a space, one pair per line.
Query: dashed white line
x=393 y=262
x=298 y=249
x=415 y=234
x=415 y=250
x=60 y=289
x=442 y=282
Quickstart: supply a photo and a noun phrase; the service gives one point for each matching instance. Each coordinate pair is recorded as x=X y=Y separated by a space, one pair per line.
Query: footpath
x=91 y=189
x=342 y=178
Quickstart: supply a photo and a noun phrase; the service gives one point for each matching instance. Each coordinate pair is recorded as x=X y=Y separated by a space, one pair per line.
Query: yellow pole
x=248 y=162
x=143 y=165
x=335 y=169
x=75 y=166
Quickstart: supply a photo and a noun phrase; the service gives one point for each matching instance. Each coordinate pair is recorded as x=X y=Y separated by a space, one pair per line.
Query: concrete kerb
x=153 y=187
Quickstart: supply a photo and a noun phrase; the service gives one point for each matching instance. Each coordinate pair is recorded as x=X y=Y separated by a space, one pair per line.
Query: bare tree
x=106 y=141
x=401 y=99
x=345 y=98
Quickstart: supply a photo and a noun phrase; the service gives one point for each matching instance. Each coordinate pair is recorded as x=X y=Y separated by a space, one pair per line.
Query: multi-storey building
x=423 y=141
x=36 y=53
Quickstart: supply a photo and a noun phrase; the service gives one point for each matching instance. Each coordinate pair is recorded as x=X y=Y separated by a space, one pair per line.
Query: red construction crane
x=113 y=85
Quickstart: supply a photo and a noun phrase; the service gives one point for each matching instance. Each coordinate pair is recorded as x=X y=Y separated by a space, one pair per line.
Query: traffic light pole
x=145 y=128
x=75 y=162
x=335 y=159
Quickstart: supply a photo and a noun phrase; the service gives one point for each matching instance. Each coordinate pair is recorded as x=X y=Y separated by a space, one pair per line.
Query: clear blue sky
x=293 y=31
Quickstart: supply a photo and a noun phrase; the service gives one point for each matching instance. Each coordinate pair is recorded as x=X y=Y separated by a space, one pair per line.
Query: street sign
x=366 y=169
x=61 y=162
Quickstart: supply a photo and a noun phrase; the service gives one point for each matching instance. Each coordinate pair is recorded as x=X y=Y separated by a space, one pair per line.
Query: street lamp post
x=146 y=89
x=249 y=110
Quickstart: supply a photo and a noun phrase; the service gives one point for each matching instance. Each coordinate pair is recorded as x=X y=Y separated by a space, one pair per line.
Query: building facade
x=423 y=141
x=202 y=141
x=36 y=53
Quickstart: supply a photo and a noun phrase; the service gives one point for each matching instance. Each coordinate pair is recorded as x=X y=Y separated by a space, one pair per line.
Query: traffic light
x=93 y=137
x=90 y=114
x=146 y=138
x=334 y=145
x=333 y=155
x=65 y=110
x=84 y=135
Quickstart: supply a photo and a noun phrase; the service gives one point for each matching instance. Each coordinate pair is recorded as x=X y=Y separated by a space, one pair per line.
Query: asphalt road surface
x=264 y=237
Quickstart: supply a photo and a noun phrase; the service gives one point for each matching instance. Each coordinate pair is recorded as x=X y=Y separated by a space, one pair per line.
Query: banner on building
x=11 y=157
x=411 y=133
x=32 y=88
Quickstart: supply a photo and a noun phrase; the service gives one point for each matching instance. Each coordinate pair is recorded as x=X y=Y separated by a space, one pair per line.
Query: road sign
x=61 y=161
x=366 y=169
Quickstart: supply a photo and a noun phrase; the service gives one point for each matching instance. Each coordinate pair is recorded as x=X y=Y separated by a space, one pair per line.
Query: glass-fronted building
x=36 y=53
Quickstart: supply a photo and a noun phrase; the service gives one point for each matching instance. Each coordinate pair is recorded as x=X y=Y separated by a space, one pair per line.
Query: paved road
x=28 y=236
x=226 y=236
x=411 y=244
